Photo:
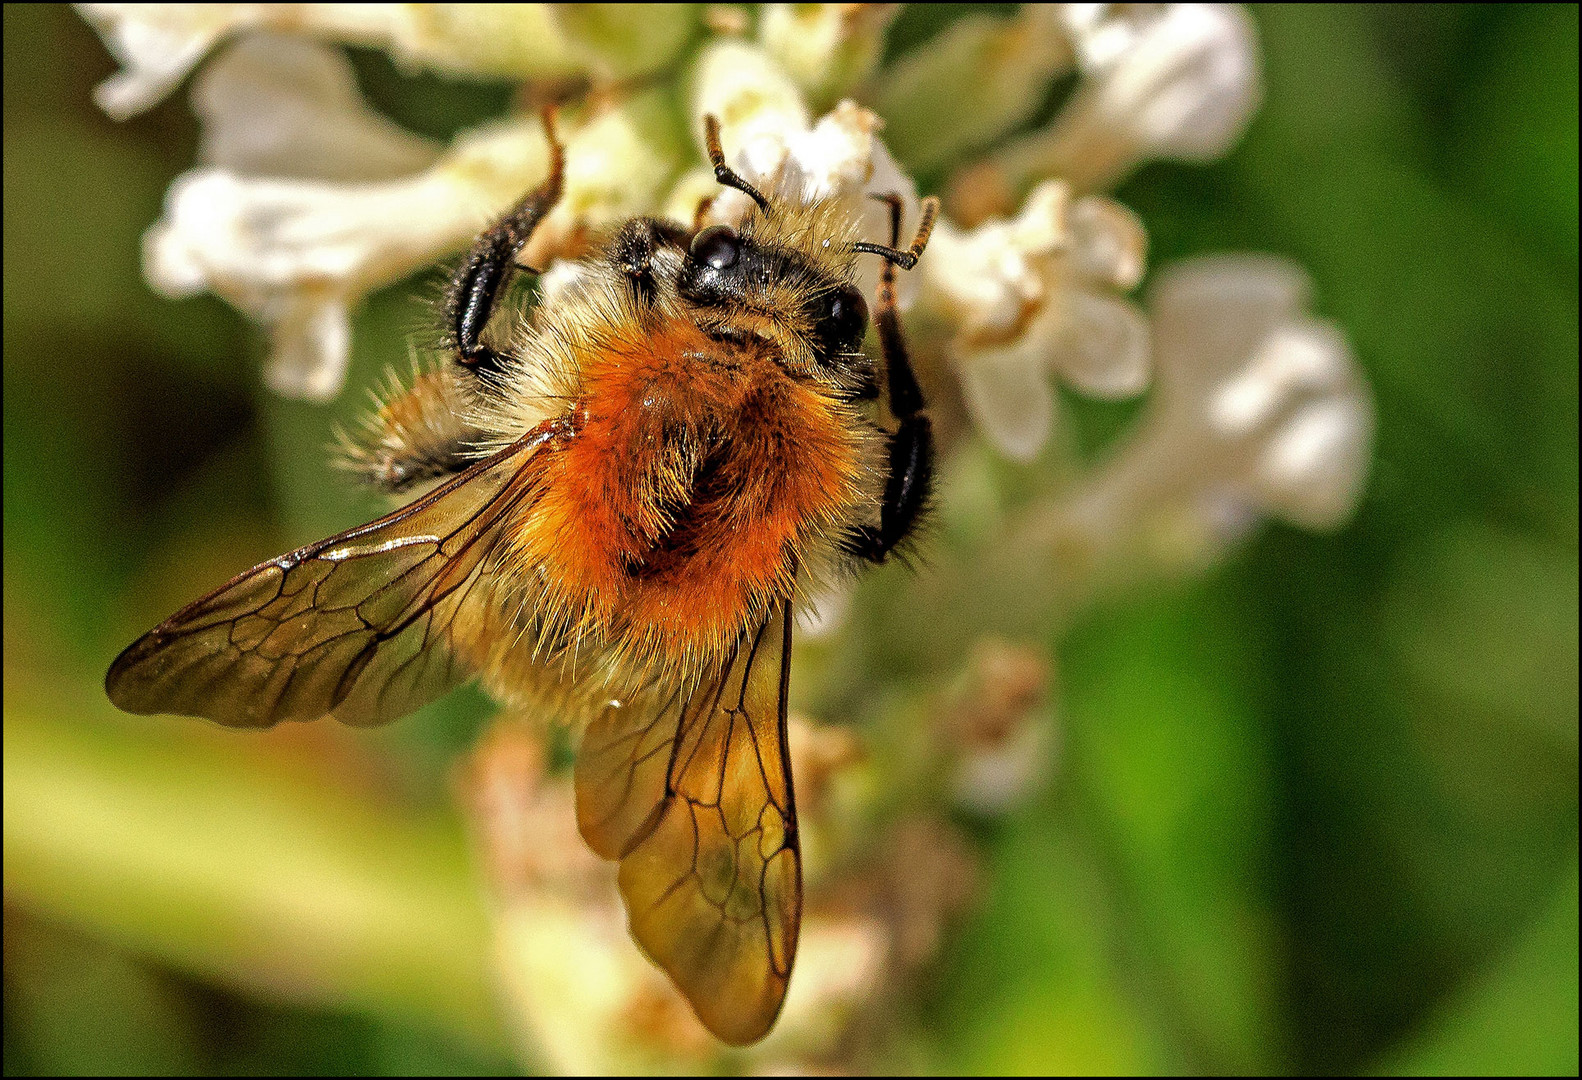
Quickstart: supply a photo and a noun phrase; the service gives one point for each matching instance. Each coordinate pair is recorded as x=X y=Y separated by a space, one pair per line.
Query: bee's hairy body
x=696 y=469
x=632 y=492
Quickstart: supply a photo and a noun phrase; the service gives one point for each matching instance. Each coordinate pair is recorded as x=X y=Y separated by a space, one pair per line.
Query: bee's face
x=736 y=285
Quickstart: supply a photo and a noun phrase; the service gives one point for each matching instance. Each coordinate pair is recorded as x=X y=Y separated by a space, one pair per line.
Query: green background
x=1316 y=811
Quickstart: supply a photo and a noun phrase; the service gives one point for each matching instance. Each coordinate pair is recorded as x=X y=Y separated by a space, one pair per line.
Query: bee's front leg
x=470 y=300
x=632 y=249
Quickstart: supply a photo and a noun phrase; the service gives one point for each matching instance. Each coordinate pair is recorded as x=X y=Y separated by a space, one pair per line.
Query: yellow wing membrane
x=690 y=789
x=354 y=626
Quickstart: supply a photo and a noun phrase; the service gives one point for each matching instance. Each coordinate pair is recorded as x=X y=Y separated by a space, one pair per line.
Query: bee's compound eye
x=716 y=246
x=842 y=317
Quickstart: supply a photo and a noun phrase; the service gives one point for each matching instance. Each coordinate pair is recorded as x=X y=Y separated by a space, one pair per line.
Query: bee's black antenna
x=723 y=172
x=908 y=258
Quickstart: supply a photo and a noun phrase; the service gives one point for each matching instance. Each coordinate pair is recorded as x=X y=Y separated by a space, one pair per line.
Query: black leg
x=489 y=264
x=910 y=473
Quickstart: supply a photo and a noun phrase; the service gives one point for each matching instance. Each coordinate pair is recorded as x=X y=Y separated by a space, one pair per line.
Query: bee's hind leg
x=909 y=476
x=470 y=299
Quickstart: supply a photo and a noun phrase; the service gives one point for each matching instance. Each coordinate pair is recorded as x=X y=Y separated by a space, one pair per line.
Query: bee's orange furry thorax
x=698 y=472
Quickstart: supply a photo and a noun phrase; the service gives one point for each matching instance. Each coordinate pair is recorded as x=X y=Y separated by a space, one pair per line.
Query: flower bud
x=827 y=49
x=1259 y=410
x=1178 y=81
x=977 y=79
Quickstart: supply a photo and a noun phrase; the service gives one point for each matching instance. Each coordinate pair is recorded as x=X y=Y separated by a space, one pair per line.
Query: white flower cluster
x=1258 y=410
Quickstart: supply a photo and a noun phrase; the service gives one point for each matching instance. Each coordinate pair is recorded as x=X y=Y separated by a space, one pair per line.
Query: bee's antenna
x=908 y=258
x=723 y=172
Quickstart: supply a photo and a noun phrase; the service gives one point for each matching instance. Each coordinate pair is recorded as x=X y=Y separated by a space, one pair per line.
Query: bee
x=632 y=492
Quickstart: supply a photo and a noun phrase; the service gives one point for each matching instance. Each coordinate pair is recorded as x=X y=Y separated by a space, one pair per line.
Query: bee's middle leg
x=909 y=476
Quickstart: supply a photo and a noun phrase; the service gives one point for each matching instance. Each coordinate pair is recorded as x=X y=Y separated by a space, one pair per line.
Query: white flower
x=278 y=106
x=1170 y=81
x=1036 y=294
x=1178 y=81
x=311 y=200
x=1182 y=79
x=158 y=44
x=1259 y=410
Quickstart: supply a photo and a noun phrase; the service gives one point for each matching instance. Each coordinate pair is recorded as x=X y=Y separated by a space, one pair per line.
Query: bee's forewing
x=690 y=788
x=355 y=626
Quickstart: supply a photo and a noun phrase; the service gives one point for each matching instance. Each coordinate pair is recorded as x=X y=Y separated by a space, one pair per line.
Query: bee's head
x=787 y=274
x=740 y=284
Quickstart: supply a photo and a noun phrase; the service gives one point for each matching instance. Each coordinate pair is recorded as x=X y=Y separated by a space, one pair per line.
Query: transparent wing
x=355 y=626
x=690 y=788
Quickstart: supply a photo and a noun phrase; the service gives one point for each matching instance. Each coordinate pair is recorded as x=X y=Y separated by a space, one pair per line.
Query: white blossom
x=1036 y=294
x=279 y=106
x=768 y=137
x=296 y=254
x=158 y=44
x=1259 y=410
x=311 y=199
x=1170 y=80
x=1178 y=81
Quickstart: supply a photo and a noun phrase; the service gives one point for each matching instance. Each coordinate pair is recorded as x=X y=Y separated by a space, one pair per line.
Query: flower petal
x=1099 y=344
x=1259 y=411
x=310 y=347
x=1182 y=78
x=1312 y=472
x=757 y=104
x=1034 y=295
x=279 y=106
x=294 y=253
x=1174 y=81
x=1007 y=394
x=991 y=281
x=156 y=45
x=1211 y=312
x=1107 y=242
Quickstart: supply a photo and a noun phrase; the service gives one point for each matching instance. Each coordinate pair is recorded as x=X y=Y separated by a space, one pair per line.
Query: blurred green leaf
x=1167 y=749
x=1516 y=138
x=211 y=855
x=1035 y=990
x=1519 y=1018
